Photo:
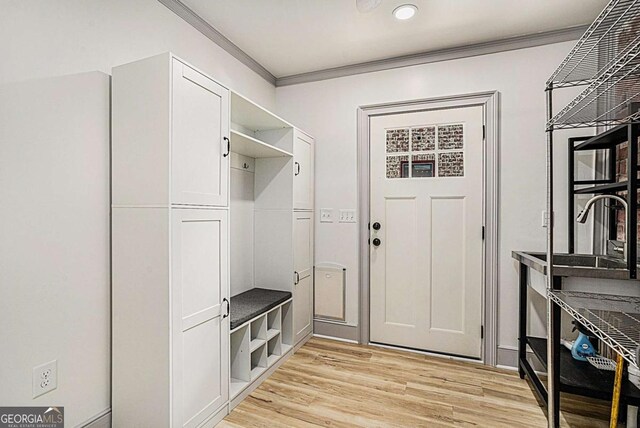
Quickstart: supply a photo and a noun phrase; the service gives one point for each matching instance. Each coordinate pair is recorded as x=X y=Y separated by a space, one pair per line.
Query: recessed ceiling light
x=404 y=12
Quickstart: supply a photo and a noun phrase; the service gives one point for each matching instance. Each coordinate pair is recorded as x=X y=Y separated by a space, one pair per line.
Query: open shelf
x=254 y=117
x=580 y=377
x=255 y=344
x=603 y=188
x=615 y=320
x=271 y=333
x=248 y=146
x=612 y=34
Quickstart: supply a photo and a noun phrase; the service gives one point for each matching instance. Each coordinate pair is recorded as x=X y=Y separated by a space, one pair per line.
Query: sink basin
x=582 y=265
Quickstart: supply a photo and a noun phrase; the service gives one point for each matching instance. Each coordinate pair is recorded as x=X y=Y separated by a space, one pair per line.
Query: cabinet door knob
x=376 y=226
x=376 y=242
x=297 y=278
x=297 y=168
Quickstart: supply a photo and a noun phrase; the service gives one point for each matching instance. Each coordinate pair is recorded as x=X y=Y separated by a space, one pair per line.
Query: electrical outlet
x=347 y=216
x=45 y=378
x=326 y=215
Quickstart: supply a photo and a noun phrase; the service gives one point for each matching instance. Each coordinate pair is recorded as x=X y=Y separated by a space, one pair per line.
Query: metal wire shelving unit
x=606 y=62
x=613 y=319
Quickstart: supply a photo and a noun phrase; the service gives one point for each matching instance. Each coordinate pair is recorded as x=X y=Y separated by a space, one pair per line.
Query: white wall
x=327 y=110
x=52 y=38
x=54 y=241
x=54 y=182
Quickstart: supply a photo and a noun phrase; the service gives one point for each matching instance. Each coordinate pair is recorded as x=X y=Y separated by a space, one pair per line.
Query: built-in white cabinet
x=170 y=245
x=212 y=196
x=303 y=273
x=303 y=186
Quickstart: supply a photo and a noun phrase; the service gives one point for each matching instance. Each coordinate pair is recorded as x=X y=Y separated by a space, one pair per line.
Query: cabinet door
x=200 y=327
x=303 y=172
x=200 y=127
x=303 y=275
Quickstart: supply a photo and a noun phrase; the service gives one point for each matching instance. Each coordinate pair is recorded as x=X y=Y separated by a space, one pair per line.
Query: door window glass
x=425 y=151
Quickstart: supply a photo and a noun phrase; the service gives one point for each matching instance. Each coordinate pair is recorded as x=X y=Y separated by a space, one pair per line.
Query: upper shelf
x=248 y=146
x=253 y=117
x=612 y=36
x=607 y=59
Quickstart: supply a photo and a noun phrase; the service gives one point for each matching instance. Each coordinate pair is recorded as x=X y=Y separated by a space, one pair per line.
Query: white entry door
x=426 y=251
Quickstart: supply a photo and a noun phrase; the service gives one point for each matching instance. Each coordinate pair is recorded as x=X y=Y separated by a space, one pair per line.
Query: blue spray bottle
x=582 y=347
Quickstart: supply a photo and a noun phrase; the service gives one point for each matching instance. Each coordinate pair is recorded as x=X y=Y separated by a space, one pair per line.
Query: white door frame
x=489 y=101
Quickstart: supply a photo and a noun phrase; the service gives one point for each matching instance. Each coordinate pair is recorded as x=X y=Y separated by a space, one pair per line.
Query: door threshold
x=442 y=355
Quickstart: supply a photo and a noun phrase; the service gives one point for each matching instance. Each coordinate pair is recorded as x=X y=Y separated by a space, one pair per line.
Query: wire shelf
x=609 y=99
x=615 y=30
x=613 y=319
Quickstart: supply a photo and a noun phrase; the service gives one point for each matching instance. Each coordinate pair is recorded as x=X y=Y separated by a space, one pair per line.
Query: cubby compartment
x=273 y=323
x=258 y=333
x=258 y=361
x=274 y=350
x=240 y=360
x=286 y=312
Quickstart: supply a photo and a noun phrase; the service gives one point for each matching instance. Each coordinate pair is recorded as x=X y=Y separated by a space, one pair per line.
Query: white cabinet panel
x=303 y=172
x=303 y=275
x=200 y=328
x=204 y=385
x=303 y=243
x=303 y=307
x=200 y=127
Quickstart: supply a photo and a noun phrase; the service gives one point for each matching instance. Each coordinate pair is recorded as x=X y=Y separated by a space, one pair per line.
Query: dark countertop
x=254 y=302
x=538 y=262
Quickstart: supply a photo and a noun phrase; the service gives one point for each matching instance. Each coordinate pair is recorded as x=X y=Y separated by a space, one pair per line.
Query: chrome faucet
x=582 y=217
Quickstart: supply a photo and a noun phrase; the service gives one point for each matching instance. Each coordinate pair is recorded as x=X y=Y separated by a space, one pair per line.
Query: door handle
x=228 y=308
x=376 y=226
x=297 y=280
x=297 y=168
x=228 y=147
x=376 y=242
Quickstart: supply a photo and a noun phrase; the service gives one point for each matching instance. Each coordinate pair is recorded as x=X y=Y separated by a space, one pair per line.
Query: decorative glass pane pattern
x=423 y=165
x=397 y=140
x=423 y=139
x=451 y=164
x=450 y=137
x=398 y=166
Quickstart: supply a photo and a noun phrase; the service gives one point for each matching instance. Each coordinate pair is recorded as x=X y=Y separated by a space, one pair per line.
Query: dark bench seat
x=248 y=305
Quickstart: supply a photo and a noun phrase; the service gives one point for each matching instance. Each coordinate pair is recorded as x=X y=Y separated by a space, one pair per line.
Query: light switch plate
x=326 y=215
x=347 y=216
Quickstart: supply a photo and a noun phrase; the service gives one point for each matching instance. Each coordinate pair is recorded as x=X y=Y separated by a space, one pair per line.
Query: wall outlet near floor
x=326 y=215
x=347 y=216
x=45 y=378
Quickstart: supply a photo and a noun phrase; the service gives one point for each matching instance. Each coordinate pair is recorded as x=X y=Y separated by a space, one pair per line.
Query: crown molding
x=192 y=18
x=503 y=45
x=512 y=43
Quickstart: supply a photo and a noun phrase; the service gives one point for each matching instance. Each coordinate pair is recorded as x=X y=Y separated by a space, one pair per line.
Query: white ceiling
x=296 y=36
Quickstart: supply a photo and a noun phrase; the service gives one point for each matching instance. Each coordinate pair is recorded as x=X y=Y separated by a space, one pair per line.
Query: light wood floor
x=334 y=384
